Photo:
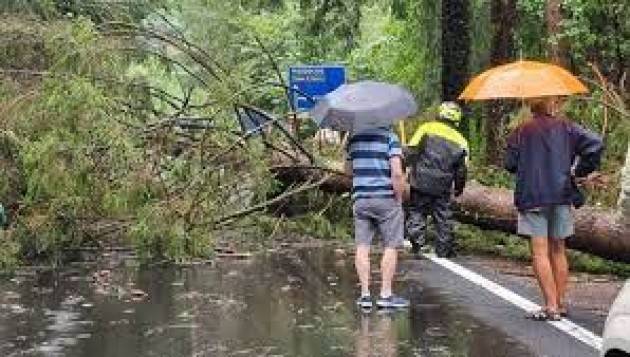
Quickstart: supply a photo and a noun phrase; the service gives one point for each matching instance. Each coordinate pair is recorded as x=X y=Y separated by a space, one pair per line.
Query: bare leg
x=560 y=268
x=544 y=273
x=388 y=269
x=362 y=263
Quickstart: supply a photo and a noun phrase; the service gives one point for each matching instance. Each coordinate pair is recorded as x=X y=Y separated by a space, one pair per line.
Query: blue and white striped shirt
x=370 y=152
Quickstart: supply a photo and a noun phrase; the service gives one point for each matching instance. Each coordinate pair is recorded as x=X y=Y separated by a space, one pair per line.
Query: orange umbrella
x=523 y=79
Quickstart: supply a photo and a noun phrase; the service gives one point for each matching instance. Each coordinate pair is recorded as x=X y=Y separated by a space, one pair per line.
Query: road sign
x=314 y=81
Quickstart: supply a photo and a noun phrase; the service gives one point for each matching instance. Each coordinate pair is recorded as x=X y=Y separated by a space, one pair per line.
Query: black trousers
x=419 y=209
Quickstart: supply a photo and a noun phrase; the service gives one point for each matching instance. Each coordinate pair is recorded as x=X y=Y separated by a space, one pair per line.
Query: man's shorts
x=553 y=221
x=379 y=215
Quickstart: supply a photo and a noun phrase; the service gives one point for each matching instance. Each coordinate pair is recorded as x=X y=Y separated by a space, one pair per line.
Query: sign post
x=313 y=82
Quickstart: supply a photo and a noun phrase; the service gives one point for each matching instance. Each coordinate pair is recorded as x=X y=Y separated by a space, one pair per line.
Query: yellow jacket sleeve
x=441 y=130
x=417 y=136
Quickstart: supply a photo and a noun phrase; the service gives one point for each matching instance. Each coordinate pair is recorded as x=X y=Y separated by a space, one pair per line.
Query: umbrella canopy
x=523 y=79
x=363 y=105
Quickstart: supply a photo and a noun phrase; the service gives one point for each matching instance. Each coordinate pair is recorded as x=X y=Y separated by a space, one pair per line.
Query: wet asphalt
x=286 y=302
x=540 y=338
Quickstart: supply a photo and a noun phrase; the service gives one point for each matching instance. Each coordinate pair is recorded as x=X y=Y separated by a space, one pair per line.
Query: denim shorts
x=552 y=221
x=379 y=215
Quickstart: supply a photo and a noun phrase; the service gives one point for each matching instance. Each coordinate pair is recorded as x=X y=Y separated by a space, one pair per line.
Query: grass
x=474 y=240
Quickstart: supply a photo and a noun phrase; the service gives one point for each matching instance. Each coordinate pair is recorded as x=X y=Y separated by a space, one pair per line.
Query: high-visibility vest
x=441 y=130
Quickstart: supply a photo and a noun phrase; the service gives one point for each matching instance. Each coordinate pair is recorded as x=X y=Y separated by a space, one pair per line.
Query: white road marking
x=563 y=325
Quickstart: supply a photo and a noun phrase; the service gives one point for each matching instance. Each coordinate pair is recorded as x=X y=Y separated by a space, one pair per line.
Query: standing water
x=284 y=303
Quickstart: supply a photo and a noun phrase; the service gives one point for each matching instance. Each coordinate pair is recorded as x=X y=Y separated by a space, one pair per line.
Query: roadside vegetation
x=497 y=244
x=118 y=122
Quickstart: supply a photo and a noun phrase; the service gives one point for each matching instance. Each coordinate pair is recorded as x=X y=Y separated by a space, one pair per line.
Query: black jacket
x=438 y=161
x=542 y=153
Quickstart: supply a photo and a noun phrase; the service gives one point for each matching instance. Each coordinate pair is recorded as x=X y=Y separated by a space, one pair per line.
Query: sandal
x=554 y=316
x=539 y=315
x=544 y=315
x=563 y=311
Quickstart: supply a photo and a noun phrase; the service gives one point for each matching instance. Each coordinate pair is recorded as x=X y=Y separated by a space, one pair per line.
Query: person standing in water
x=375 y=162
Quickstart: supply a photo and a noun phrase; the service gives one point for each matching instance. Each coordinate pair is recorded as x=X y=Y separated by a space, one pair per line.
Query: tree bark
x=557 y=46
x=599 y=232
x=455 y=47
x=503 y=15
x=455 y=51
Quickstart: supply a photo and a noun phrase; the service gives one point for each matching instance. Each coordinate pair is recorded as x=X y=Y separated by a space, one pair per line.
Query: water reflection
x=287 y=303
x=377 y=336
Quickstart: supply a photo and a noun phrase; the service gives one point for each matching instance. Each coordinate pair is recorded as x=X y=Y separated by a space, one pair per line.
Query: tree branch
x=261 y=206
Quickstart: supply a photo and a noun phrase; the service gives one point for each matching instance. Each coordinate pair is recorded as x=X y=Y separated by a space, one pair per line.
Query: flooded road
x=283 y=303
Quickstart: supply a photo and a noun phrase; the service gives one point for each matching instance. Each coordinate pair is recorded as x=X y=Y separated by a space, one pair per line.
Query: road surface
x=287 y=302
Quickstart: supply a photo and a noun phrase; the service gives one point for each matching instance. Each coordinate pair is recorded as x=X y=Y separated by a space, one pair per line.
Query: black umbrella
x=364 y=105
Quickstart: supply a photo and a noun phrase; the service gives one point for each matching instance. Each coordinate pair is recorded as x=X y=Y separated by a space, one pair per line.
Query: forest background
x=118 y=119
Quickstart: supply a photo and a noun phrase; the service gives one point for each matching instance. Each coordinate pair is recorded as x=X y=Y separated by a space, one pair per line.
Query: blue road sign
x=314 y=81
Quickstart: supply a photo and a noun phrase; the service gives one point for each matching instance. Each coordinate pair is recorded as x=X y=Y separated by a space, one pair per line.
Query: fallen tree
x=600 y=232
x=597 y=231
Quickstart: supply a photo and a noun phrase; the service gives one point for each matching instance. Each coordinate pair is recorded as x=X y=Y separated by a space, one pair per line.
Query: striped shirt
x=370 y=152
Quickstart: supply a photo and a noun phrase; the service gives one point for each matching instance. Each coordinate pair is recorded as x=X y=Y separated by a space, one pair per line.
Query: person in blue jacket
x=547 y=153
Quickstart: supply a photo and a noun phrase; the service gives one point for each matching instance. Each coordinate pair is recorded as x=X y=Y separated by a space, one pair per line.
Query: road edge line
x=567 y=326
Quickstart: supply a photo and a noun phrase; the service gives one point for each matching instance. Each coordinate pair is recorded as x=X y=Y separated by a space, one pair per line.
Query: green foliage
x=393 y=49
x=474 y=240
x=491 y=176
x=84 y=161
x=599 y=32
x=480 y=39
x=60 y=137
x=97 y=12
x=160 y=234
x=321 y=215
x=9 y=251
x=93 y=140
x=327 y=29
x=531 y=33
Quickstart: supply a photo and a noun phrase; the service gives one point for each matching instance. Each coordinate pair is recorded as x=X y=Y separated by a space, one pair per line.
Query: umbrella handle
x=403 y=137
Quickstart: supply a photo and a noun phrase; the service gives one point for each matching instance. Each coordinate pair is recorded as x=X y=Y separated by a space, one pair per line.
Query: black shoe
x=447 y=254
x=415 y=248
x=364 y=302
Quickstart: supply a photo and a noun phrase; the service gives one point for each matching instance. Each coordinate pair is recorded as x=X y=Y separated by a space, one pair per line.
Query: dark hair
x=539 y=105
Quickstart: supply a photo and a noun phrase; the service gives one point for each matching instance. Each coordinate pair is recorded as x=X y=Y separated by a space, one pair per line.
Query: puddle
x=287 y=303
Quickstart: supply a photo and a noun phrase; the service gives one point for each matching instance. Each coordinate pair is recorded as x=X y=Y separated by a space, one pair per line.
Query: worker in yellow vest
x=436 y=159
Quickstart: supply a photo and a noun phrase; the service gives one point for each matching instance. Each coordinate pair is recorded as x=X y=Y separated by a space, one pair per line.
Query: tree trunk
x=455 y=50
x=455 y=47
x=557 y=46
x=503 y=15
x=599 y=232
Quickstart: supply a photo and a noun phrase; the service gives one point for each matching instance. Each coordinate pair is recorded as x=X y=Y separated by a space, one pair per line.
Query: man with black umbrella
x=375 y=162
x=367 y=110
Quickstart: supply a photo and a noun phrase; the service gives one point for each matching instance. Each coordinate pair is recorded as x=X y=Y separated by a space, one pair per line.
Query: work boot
x=415 y=248
x=444 y=252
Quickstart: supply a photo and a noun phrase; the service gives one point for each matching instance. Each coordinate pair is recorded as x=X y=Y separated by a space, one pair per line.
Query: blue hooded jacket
x=542 y=152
